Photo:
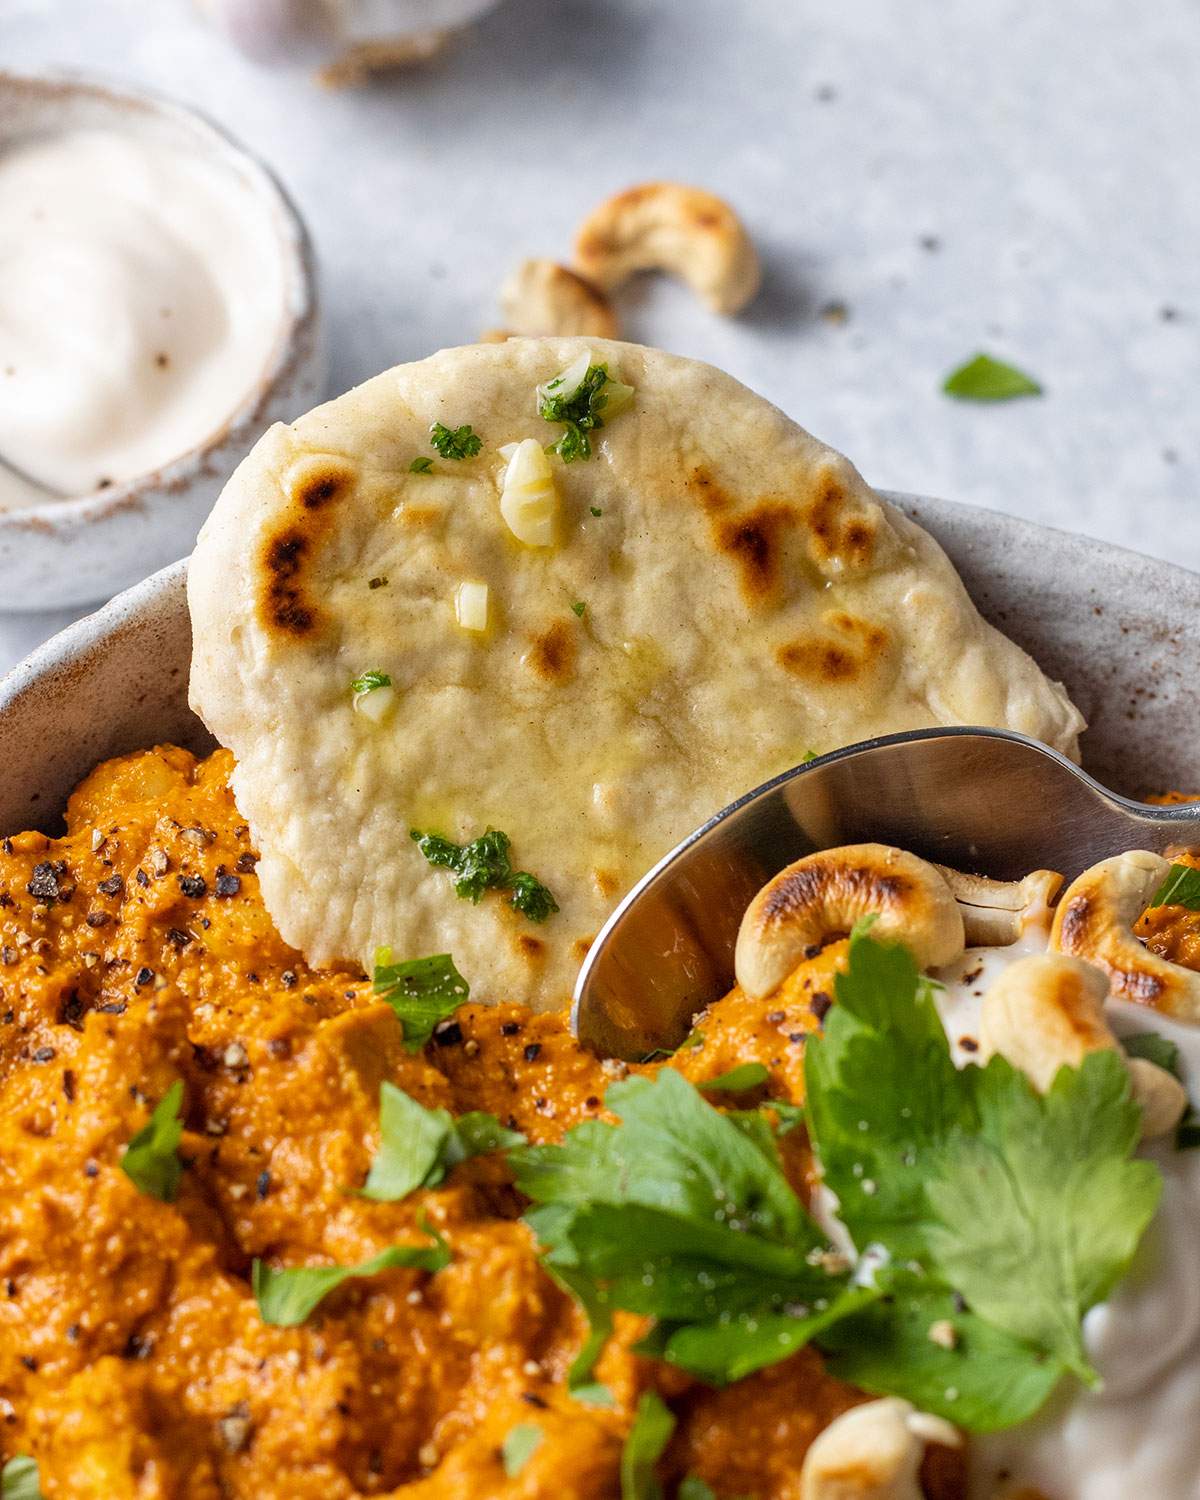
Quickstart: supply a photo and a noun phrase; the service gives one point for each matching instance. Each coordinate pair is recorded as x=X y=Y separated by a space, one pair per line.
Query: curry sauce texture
x=134 y=1362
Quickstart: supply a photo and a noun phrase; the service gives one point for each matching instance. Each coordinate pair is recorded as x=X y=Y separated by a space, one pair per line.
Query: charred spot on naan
x=532 y=949
x=755 y=542
x=842 y=532
x=851 y=650
x=315 y=486
x=551 y=653
x=706 y=491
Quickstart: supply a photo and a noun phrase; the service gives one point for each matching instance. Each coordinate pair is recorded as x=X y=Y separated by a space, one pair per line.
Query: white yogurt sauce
x=141 y=298
x=1140 y=1435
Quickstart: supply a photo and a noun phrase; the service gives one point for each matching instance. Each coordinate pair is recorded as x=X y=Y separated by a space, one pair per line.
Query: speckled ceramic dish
x=1119 y=629
x=68 y=552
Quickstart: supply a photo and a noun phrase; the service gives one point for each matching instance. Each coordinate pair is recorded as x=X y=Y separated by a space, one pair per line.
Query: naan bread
x=748 y=599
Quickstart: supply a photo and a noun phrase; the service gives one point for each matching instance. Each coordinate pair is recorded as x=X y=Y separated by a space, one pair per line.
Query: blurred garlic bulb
x=342 y=37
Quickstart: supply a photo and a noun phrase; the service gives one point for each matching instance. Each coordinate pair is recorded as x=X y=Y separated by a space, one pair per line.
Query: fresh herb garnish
x=1163 y=1052
x=1180 y=888
x=151 y=1159
x=368 y=682
x=286 y=1298
x=457 y=442
x=595 y=510
x=519 y=1447
x=1027 y=1206
x=422 y=992
x=421 y=466
x=692 y=1487
x=593 y=1394
x=19 y=1479
x=652 y=1427
x=678 y=1214
x=582 y=397
x=809 y=755
x=418 y=1146
x=484 y=865
x=737 y=1080
x=986 y=379
x=579 y=608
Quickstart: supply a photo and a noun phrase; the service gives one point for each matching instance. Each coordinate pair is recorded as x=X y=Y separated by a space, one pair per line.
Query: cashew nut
x=996 y=912
x=872 y=1452
x=543 y=298
x=665 y=226
x=825 y=894
x=1046 y=1012
x=1095 y=920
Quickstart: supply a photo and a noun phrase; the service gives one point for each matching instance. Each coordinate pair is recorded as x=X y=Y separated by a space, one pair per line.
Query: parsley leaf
x=368 y=682
x=19 y=1479
x=652 y=1427
x=418 y=1146
x=593 y=1395
x=737 y=1080
x=595 y=510
x=1028 y=1206
x=422 y=992
x=286 y=1298
x=579 y=608
x=484 y=865
x=1180 y=888
x=519 y=1447
x=458 y=442
x=1159 y=1050
x=582 y=403
x=986 y=379
x=151 y=1159
x=421 y=466
x=680 y=1215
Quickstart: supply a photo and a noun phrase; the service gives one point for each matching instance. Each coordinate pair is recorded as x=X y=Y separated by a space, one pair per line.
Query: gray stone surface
x=959 y=175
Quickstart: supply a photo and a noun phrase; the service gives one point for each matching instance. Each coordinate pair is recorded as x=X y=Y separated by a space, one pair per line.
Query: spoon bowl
x=986 y=801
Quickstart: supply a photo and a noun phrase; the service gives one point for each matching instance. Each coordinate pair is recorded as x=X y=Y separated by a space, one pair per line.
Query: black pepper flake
x=533 y=1051
x=228 y=885
x=73 y=1333
x=113 y=886
x=262 y=1185
x=141 y=877
x=72 y=1009
x=533 y=1399
x=968 y=1044
x=91 y=1169
x=510 y=1028
x=773 y=1017
x=246 y=863
x=10 y=1287
x=193 y=886
x=68 y=1085
x=143 y=977
x=820 y=1004
x=111 y=1008
x=7 y=846
x=5 y=899
x=97 y=919
x=29 y=1362
x=279 y=1046
x=812 y=950
x=138 y=1346
x=8 y=955
x=178 y=938
x=44 y=1055
x=43 y=884
x=448 y=1034
x=377 y=583
x=591 y=1102
x=288 y=979
x=9 y=1017
x=351 y=994
x=795 y=1037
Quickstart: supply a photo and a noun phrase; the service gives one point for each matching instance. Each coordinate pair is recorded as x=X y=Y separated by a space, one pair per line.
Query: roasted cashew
x=872 y=1452
x=1046 y=1012
x=996 y=912
x=543 y=298
x=665 y=226
x=825 y=894
x=1095 y=920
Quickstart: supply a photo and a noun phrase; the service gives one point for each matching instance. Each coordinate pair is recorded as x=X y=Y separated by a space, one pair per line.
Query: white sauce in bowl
x=142 y=295
x=1140 y=1435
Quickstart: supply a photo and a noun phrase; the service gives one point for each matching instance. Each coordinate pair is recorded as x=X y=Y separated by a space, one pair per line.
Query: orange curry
x=133 y=1360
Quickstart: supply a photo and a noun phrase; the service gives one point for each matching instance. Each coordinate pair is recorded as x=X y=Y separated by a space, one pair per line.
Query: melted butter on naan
x=748 y=599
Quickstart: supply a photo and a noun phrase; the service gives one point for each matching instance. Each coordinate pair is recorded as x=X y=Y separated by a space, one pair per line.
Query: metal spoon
x=984 y=800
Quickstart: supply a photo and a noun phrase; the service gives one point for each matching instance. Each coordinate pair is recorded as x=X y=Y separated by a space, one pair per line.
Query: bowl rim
x=296 y=323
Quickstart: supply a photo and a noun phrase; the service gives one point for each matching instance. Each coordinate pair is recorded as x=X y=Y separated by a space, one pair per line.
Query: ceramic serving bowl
x=1117 y=628
x=70 y=552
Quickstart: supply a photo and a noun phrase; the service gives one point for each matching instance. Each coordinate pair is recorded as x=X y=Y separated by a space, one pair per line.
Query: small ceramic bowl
x=1117 y=628
x=70 y=552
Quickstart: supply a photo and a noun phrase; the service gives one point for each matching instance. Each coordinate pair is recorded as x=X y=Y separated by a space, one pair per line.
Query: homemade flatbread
x=724 y=595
